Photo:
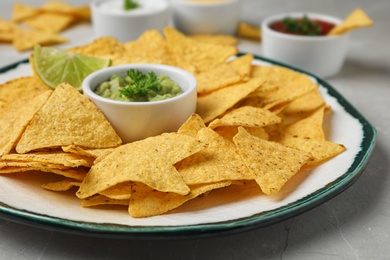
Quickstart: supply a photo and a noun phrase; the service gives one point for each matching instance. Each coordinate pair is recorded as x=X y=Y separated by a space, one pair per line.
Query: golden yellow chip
x=44 y=22
x=62 y=185
x=104 y=47
x=228 y=132
x=305 y=104
x=102 y=200
x=247 y=116
x=221 y=39
x=246 y=30
x=218 y=102
x=357 y=19
x=216 y=78
x=68 y=118
x=120 y=191
x=22 y=11
x=149 y=161
x=310 y=127
x=78 y=174
x=94 y=153
x=271 y=163
x=25 y=39
x=146 y=202
x=220 y=161
x=151 y=41
x=61 y=158
x=321 y=150
x=192 y=125
x=243 y=65
x=8 y=30
x=15 y=119
x=203 y=56
x=81 y=12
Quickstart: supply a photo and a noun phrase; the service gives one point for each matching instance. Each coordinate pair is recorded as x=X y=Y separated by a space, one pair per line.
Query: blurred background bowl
x=321 y=55
x=206 y=17
x=138 y=120
x=110 y=19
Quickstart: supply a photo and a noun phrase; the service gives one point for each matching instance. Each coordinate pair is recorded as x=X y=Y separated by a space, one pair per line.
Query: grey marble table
x=353 y=225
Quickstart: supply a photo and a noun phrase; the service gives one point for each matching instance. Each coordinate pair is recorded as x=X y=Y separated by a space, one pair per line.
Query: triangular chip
x=218 y=102
x=149 y=161
x=44 y=22
x=16 y=118
x=68 y=118
x=247 y=116
x=220 y=161
x=25 y=40
x=22 y=11
x=271 y=163
x=192 y=125
x=147 y=202
x=357 y=19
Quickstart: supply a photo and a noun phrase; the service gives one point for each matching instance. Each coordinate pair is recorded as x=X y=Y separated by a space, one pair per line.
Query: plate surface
x=23 y=200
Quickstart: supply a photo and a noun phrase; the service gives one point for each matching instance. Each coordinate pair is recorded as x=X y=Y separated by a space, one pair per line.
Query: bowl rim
x=87 y=88
x=205 y=4
x=163 y=7
x=276 y=17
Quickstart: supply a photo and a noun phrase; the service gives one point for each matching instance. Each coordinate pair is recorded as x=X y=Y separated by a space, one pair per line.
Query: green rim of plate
x=218 y=228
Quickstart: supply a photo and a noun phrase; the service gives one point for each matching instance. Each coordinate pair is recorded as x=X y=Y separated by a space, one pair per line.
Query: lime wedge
x=56 y=66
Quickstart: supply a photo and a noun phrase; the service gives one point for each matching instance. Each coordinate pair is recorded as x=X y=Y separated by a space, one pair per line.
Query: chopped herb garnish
x=142 y=86
x=129 y=5
x=303 y=26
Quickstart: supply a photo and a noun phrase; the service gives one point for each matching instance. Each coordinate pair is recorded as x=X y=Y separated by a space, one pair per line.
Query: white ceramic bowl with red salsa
x=322 y=55
x=137 y=120
x=109 y=18
x=206 y=16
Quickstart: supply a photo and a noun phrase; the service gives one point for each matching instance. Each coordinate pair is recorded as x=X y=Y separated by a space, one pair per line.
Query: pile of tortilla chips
x=31 y=25
x=254 y=124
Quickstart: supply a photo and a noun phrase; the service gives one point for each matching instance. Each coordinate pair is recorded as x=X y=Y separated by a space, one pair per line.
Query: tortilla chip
x=102 y=200
x=63 y=185
x=25 y=40
x=16 y=118
x=192 y=125
x=247 y=116
x=221 y=39
x=220 y=161
x=246 y=30
x=271 y=163
x=8 y=30
x=147 y=202
x=357 y=19
x=305 y=104
x=22 y=11
x=149 y=161
x=68 y=118
x=218 y=102
x=44 y=22
x=243 y=65
x=203 y=56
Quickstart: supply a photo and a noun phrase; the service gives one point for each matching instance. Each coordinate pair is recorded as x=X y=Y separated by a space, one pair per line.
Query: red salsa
x=302 y=26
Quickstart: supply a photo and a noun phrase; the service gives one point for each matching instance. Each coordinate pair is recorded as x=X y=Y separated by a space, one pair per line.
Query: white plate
x=23 y=200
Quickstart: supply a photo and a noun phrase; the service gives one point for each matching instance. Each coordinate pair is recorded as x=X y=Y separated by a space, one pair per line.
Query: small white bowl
x=138 y=120
x=321 y=55
x=213 y=17
x=110 y=19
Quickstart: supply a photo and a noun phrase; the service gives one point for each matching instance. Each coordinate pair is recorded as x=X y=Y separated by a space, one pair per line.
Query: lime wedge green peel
x=55 y=66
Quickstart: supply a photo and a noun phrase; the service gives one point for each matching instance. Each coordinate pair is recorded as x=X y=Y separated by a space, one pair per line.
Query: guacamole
x=137 y=86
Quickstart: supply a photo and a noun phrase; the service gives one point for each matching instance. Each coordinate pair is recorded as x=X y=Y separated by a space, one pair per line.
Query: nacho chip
x=247 y=116
x=192 y=125
x=221 y=39
x=71 y=173
x=357 y=19
x=147 y=202
x=44 y=22
x=16 y=118
x=102 y=200
x=120 y=191
x=243 y=65
x=22 y=11
x=25 y=40
x=271 y=163
x=220 y=161
x=8 y=30
x=203 y=56
x=68 y=118
x=228 y=132
x=149 y=161
x=62 y=185
x=216 y=78
x=80 y=12
x=305 y=104
x=246 y=30
x=218 y=102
